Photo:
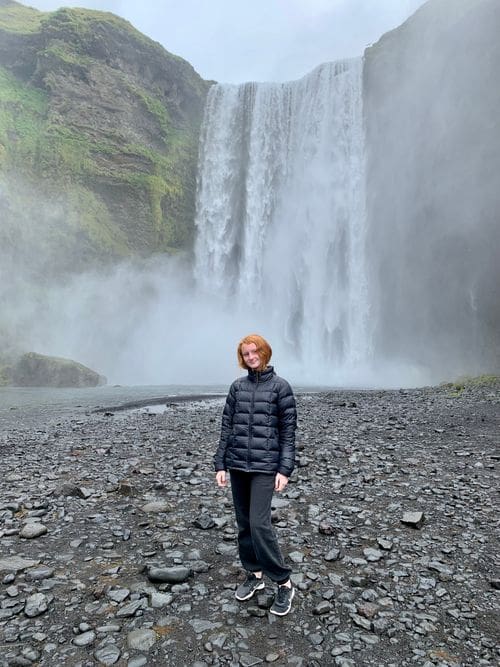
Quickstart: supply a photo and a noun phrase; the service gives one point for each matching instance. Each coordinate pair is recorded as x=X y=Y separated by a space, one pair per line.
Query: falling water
x=281 y=211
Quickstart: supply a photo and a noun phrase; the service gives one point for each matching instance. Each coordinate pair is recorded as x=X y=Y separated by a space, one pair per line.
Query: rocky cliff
x=431 y=104
x=98 y=140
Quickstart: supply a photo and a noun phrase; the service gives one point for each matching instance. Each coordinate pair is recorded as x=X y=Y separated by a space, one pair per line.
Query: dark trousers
x=257 y=543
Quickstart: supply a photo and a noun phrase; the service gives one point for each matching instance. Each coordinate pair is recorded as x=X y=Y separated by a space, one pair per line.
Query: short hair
x=263 y=349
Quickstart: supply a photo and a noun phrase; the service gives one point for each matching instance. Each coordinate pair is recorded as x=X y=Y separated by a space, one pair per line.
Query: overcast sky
x=257 y=40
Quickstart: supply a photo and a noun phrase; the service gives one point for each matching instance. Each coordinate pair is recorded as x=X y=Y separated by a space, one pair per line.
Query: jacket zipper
x=250 y=421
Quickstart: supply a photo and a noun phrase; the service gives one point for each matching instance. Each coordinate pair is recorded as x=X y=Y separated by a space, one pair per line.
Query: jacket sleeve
x=287 y=416
x=226 y=429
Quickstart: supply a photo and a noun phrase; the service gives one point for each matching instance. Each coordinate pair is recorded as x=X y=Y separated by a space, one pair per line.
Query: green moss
x=89 y=215
x=61 y=149
x=67 y=54
x=158 y=110
x=23 y=111
x=83 y=22
x=19 y=18
x=462 y=384
x=83 y=167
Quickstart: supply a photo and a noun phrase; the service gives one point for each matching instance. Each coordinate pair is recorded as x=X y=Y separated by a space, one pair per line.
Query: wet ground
x=116 y=547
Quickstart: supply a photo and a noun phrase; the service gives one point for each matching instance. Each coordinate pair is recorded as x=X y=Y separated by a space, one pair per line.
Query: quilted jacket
x=258 y=425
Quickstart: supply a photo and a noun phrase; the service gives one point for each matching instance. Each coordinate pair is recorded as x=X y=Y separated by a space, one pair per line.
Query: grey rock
x=413 y=519
x=107 y=655
x=141 y=639
x=200 y=625
x=85 y=639
x=323 y=607
x=16 y=564
x=204 y=522
x=32 y=530
x=247 y=660
x=159 y=600
x=156 y=506
x=131 y=609
x=140 y=661
x=440 y=567
x=316 y=638
x=384 y=543
x=170 y=575
x=296 y=557
x=361 y=622
x=39 y=573
x=118 y=594
x=332 y=555
x=36 y=604
x=326 y=528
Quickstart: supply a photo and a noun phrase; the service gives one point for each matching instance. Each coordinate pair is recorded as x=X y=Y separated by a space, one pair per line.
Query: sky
x=233 y=41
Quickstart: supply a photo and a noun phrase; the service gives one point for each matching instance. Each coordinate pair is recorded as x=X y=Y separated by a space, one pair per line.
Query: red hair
x=263 y=350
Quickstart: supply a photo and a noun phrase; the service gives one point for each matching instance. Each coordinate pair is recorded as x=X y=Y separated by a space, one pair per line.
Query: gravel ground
x=117 y=548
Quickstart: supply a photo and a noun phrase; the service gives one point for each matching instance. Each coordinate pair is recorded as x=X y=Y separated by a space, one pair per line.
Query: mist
x=424 y=278
x=145 y=323
x=431 y=108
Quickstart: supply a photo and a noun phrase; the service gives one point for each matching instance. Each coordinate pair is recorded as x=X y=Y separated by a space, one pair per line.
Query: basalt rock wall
x=98 y=141
x=431 y=107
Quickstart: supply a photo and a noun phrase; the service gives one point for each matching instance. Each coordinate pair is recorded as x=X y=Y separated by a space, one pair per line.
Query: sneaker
x=249 y=586
x=283 y=601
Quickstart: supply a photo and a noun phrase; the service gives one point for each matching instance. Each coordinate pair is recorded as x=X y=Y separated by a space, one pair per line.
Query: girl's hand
x=221 y=478
x=280 y=482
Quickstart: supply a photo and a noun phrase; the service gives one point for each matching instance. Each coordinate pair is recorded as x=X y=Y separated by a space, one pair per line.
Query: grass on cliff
x=31 y=143
x=467 y=383
x=19 y=18
x=76 y=162
x=23 y=112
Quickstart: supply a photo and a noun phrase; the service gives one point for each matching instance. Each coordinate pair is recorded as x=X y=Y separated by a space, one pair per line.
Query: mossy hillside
x=467 y=384
x=32 y=150
x=23 y=113
x=15 y=17
x=109 y=122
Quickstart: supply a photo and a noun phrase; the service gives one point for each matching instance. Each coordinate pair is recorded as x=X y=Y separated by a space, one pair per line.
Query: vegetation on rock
x=98 y=139
x=38 y=370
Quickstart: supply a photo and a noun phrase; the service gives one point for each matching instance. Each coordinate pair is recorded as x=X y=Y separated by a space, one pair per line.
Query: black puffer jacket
x=258 y=425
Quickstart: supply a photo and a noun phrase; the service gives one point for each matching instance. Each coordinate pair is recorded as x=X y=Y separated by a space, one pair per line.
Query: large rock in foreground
x=38 y=370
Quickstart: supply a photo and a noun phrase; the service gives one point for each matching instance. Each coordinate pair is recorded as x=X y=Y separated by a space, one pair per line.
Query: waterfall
x=281 y=224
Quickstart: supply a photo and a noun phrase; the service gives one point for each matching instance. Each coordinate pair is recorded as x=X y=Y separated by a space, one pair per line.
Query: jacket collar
x=261 y=376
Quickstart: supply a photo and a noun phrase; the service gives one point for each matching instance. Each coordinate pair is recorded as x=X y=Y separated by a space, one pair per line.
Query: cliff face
x=98 y=139
x=432 y=101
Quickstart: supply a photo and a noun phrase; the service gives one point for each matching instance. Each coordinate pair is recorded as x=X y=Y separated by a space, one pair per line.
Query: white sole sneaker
x=285 y=611
x=242 y=598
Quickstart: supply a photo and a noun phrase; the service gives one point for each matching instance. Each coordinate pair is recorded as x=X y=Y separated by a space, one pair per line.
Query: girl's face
x=250 y=355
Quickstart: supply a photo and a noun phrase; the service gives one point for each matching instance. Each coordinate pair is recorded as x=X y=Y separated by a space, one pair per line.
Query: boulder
x=38 y=370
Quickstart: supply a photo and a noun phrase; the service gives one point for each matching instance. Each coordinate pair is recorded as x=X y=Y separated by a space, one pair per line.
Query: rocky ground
x=116 y=547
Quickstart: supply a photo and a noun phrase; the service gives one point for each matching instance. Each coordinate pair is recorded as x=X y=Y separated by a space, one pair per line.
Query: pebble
x=36 y=604
x=170 y=575
x=141 y=640
x=85 y=638
x=413 y=519
x=107 y=655
x=128 y=576
x=32 y=530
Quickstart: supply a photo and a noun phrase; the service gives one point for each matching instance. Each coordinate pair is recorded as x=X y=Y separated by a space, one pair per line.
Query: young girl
x=257 y=446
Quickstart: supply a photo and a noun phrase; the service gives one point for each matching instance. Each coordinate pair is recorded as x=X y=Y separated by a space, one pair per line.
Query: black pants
x=257 y=543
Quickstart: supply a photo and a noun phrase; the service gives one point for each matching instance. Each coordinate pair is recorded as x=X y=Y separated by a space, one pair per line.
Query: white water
x=281 y=217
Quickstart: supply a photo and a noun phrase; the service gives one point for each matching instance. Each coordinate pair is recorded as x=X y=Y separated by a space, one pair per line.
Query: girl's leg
x=265 y=543
x=241 y=489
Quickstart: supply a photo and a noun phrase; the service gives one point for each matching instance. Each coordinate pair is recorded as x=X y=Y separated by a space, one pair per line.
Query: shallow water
x=30 y=404
x=26 y=403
